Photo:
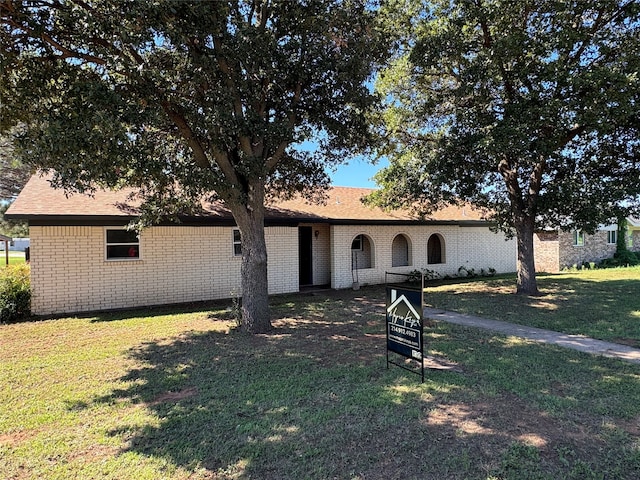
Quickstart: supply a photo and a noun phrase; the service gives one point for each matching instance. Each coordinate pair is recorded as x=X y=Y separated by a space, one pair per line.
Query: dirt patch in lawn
x=172 y=397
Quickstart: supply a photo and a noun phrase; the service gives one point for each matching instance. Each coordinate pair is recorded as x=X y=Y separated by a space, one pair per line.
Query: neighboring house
x=17 y=244
x=83 y=259
x=556 y=250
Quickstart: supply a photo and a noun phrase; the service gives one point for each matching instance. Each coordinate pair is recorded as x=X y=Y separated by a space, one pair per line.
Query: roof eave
x=101 y=220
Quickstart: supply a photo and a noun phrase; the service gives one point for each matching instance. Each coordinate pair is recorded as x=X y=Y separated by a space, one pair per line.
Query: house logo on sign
x=402 y=313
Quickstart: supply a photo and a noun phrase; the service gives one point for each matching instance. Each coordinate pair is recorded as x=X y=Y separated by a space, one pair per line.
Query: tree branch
x=178 y=119
x=273 y=160
x=225 y=68
x=488 y=44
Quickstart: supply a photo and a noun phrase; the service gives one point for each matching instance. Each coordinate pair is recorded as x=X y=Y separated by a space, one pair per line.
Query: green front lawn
x=14 y=258
x=602 y=303
x=178 y=394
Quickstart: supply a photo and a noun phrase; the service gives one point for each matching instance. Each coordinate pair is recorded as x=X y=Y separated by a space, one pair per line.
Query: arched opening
x=400 y=251
x=361 y=252
x=435 y=249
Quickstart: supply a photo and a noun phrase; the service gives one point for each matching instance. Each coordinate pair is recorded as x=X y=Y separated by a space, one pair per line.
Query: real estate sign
x=404 y=322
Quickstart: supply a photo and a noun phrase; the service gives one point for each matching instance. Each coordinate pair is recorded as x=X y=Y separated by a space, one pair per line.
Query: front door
x=305 y=238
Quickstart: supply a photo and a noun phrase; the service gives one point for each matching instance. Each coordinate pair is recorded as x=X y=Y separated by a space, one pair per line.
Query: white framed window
x=237 y=243
x=612 y=236
x=121 y=244
x=578 y=238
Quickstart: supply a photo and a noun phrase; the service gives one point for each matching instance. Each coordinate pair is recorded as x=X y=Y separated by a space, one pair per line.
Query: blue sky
x=356 y=173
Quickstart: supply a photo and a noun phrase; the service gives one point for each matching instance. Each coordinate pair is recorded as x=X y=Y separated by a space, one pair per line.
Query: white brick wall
x=471 y=247
x=69 y=272
x=321 y=254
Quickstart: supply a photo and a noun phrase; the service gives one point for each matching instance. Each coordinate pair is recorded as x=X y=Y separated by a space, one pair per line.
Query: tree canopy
x=13 y=173
x=527 y=109
x=185 y=98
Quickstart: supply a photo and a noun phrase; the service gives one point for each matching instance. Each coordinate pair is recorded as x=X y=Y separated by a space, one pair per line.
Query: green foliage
x=205 y=95
x=13 y=173
x=506 y=102
x=621 y=238
x=623 y=258
x=525 y=109
x=192 y=99
x=12 y=228
x=467 y=272
x=415 y=276
x=15 y=293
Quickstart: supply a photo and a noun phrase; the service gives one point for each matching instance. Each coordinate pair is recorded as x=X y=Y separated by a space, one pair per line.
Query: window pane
x=578 y=238
x=122 y=236
x=123 y=251
x=237 y=242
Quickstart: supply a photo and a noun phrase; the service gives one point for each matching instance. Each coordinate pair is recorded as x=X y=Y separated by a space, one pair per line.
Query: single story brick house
x=556 y=250
x=83 y=259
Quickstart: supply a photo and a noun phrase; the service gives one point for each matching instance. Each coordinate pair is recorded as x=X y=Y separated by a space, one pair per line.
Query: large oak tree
x=184 y=98
x=529 y=109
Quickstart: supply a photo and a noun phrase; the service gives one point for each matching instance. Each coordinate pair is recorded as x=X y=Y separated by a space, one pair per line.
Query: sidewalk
x=576 y=342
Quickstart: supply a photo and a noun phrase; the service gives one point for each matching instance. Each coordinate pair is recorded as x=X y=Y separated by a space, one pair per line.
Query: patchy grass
x=179 y=394
x=603 y=303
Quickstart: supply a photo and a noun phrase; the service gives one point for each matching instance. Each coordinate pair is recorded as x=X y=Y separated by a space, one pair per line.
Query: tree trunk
x=526 y=269
x=255 y=291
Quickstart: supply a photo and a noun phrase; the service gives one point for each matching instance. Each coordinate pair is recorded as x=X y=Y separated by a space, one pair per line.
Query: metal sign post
x=404 y=307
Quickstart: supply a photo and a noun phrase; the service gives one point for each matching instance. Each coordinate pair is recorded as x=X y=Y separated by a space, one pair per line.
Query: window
x=357 y=243
x=578 y=238
x=122 y=244
x=435 y=253
x=237 y=243
x=612 y=236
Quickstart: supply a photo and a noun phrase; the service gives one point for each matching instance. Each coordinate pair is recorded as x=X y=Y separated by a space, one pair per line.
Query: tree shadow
x=314 y=400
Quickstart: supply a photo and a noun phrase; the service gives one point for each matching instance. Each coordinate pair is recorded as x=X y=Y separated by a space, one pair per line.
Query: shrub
x=415 y=276
x=624 y=258
x=467 y=272
x=15 y=293
x=627 y=258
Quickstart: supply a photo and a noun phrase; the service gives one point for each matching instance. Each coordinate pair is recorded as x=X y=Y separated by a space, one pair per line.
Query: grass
x=179 y=394
x=602 y=303
x=14 y=258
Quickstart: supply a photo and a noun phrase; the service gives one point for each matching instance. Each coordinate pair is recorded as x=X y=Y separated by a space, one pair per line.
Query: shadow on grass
x=314 y=400
x=221 y=307
x=603 y=309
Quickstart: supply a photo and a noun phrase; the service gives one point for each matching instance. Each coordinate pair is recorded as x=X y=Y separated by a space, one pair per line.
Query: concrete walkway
x=576 y=342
